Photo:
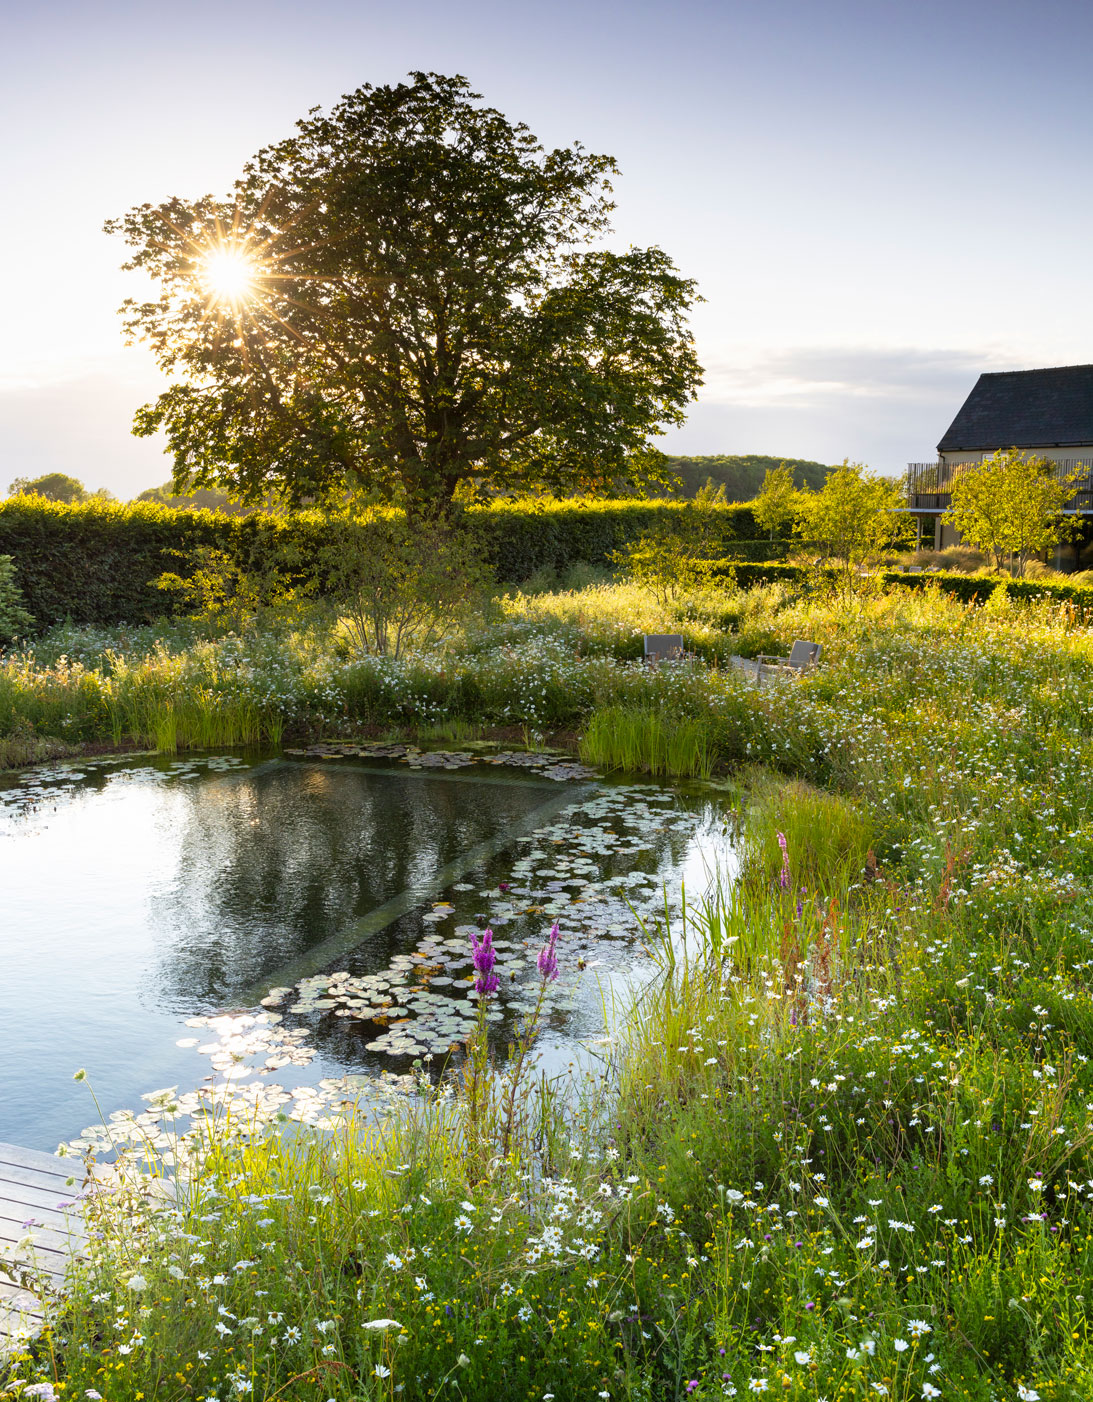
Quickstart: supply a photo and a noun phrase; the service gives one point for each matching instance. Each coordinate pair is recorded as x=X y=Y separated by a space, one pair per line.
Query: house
x=1047 y=413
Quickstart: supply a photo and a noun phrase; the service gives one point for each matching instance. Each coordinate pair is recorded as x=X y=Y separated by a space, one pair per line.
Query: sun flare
x=228 y=274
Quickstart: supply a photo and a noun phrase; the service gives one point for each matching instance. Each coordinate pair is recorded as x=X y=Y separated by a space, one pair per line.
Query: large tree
x=54 y=486
x=407 y=294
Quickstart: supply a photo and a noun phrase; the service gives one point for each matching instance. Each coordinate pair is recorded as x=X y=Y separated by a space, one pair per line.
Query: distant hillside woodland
x=742 y=474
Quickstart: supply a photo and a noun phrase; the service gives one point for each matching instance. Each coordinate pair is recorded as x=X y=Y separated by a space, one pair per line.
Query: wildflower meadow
x=836 y=1147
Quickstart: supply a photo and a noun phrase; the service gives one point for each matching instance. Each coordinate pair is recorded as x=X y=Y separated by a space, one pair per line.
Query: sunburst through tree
x=402 y=297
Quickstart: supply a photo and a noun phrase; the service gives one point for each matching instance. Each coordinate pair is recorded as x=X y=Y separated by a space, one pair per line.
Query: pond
x=337 y=889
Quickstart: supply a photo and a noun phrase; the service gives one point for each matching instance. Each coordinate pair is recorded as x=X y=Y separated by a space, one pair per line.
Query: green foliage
x=652 y=742
x=829 y=835
x=853 y=518
x=1011 y=505
x=229 y=594
x=978 y=588
x=846 y=1148
x=741 y=474
x=776 y=504
x=203 y=499
x=415 y=305
x=54 y=486
x=400 y=581
x=96 y=562
x=15 y=621
x=677 y=554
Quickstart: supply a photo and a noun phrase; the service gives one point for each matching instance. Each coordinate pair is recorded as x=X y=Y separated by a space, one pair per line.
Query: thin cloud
x=816 y=377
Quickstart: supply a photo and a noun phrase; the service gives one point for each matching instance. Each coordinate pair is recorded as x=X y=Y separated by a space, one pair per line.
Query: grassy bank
x=847 y=1150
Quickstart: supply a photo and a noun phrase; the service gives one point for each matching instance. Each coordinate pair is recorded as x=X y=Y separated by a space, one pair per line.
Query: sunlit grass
x=850 y=1146
x=650 y=742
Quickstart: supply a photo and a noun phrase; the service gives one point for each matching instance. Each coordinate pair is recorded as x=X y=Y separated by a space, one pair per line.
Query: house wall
x=946 y=535
x=1082 y=451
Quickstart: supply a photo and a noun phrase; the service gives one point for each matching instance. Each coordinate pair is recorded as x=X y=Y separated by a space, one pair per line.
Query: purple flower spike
x=783 y=880
x=485 y=957
x=548 y=956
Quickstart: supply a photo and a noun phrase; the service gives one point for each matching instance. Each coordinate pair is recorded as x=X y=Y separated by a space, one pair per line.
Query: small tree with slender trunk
x=776 y=503
x=1011 y=505
x=854 y=517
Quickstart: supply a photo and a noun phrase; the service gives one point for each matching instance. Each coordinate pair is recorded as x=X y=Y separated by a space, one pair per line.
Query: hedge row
x=969 y=588
x=977 y=588
x=523 y=537
x=95 y=562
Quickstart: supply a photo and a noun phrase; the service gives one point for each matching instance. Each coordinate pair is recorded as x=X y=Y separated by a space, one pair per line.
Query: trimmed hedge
x=978 y=588
x=525 y=536
x=969 y=588
x=94 y=562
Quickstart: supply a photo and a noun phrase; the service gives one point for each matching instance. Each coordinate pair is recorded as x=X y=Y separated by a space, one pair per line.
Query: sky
x=878 y=200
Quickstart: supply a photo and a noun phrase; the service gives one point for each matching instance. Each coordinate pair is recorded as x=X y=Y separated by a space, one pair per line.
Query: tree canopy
x=855 y=516
x=54 y=486
x=776 y=504
x=404 y=296
x=1011 y=504
x=741 y=474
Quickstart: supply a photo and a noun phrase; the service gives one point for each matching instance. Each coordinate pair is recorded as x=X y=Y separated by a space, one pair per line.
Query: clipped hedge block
x=94 y=562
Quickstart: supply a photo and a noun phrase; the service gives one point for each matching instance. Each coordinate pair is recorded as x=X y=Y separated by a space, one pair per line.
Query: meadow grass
x=645 y=741
x=842 y=1145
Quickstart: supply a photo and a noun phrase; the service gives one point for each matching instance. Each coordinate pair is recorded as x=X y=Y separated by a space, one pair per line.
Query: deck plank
x=32 y=1184
x=18 y=1175
x=37 y=1159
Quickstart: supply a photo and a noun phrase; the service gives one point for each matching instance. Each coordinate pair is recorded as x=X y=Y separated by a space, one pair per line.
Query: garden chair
x=803 y=655
x=663 y=647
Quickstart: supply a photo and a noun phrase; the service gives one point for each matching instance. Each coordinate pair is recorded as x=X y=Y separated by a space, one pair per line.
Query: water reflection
x=272 y=865
x=139 y=894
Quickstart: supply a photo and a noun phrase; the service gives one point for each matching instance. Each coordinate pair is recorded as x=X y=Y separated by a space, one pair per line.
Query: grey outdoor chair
x=803 y=655
x=663 y=647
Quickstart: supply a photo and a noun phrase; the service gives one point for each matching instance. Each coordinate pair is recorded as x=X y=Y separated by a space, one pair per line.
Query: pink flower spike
x=548 y=956
x=484 y=957
x=783 y=878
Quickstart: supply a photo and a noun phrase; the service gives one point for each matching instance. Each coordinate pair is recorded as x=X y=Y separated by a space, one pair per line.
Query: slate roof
x=1025 y=409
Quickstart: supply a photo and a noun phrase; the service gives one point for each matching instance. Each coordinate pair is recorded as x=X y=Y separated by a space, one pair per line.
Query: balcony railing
x=929 y=484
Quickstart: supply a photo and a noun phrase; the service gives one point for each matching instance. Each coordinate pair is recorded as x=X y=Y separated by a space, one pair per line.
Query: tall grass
x=650 y=742
x=831 y=838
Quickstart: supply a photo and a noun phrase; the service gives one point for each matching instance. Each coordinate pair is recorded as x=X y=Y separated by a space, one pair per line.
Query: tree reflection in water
x=274 y=862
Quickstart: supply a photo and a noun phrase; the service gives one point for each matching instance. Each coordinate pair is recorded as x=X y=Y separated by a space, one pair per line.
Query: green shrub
x=978 y=588
x=95 y=562
x=15 y=621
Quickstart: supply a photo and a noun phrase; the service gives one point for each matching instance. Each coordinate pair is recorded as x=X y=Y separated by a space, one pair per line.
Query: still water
x=137 y=894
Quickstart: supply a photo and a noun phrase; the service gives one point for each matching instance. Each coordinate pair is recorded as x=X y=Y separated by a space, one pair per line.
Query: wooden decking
x=38 y=1229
